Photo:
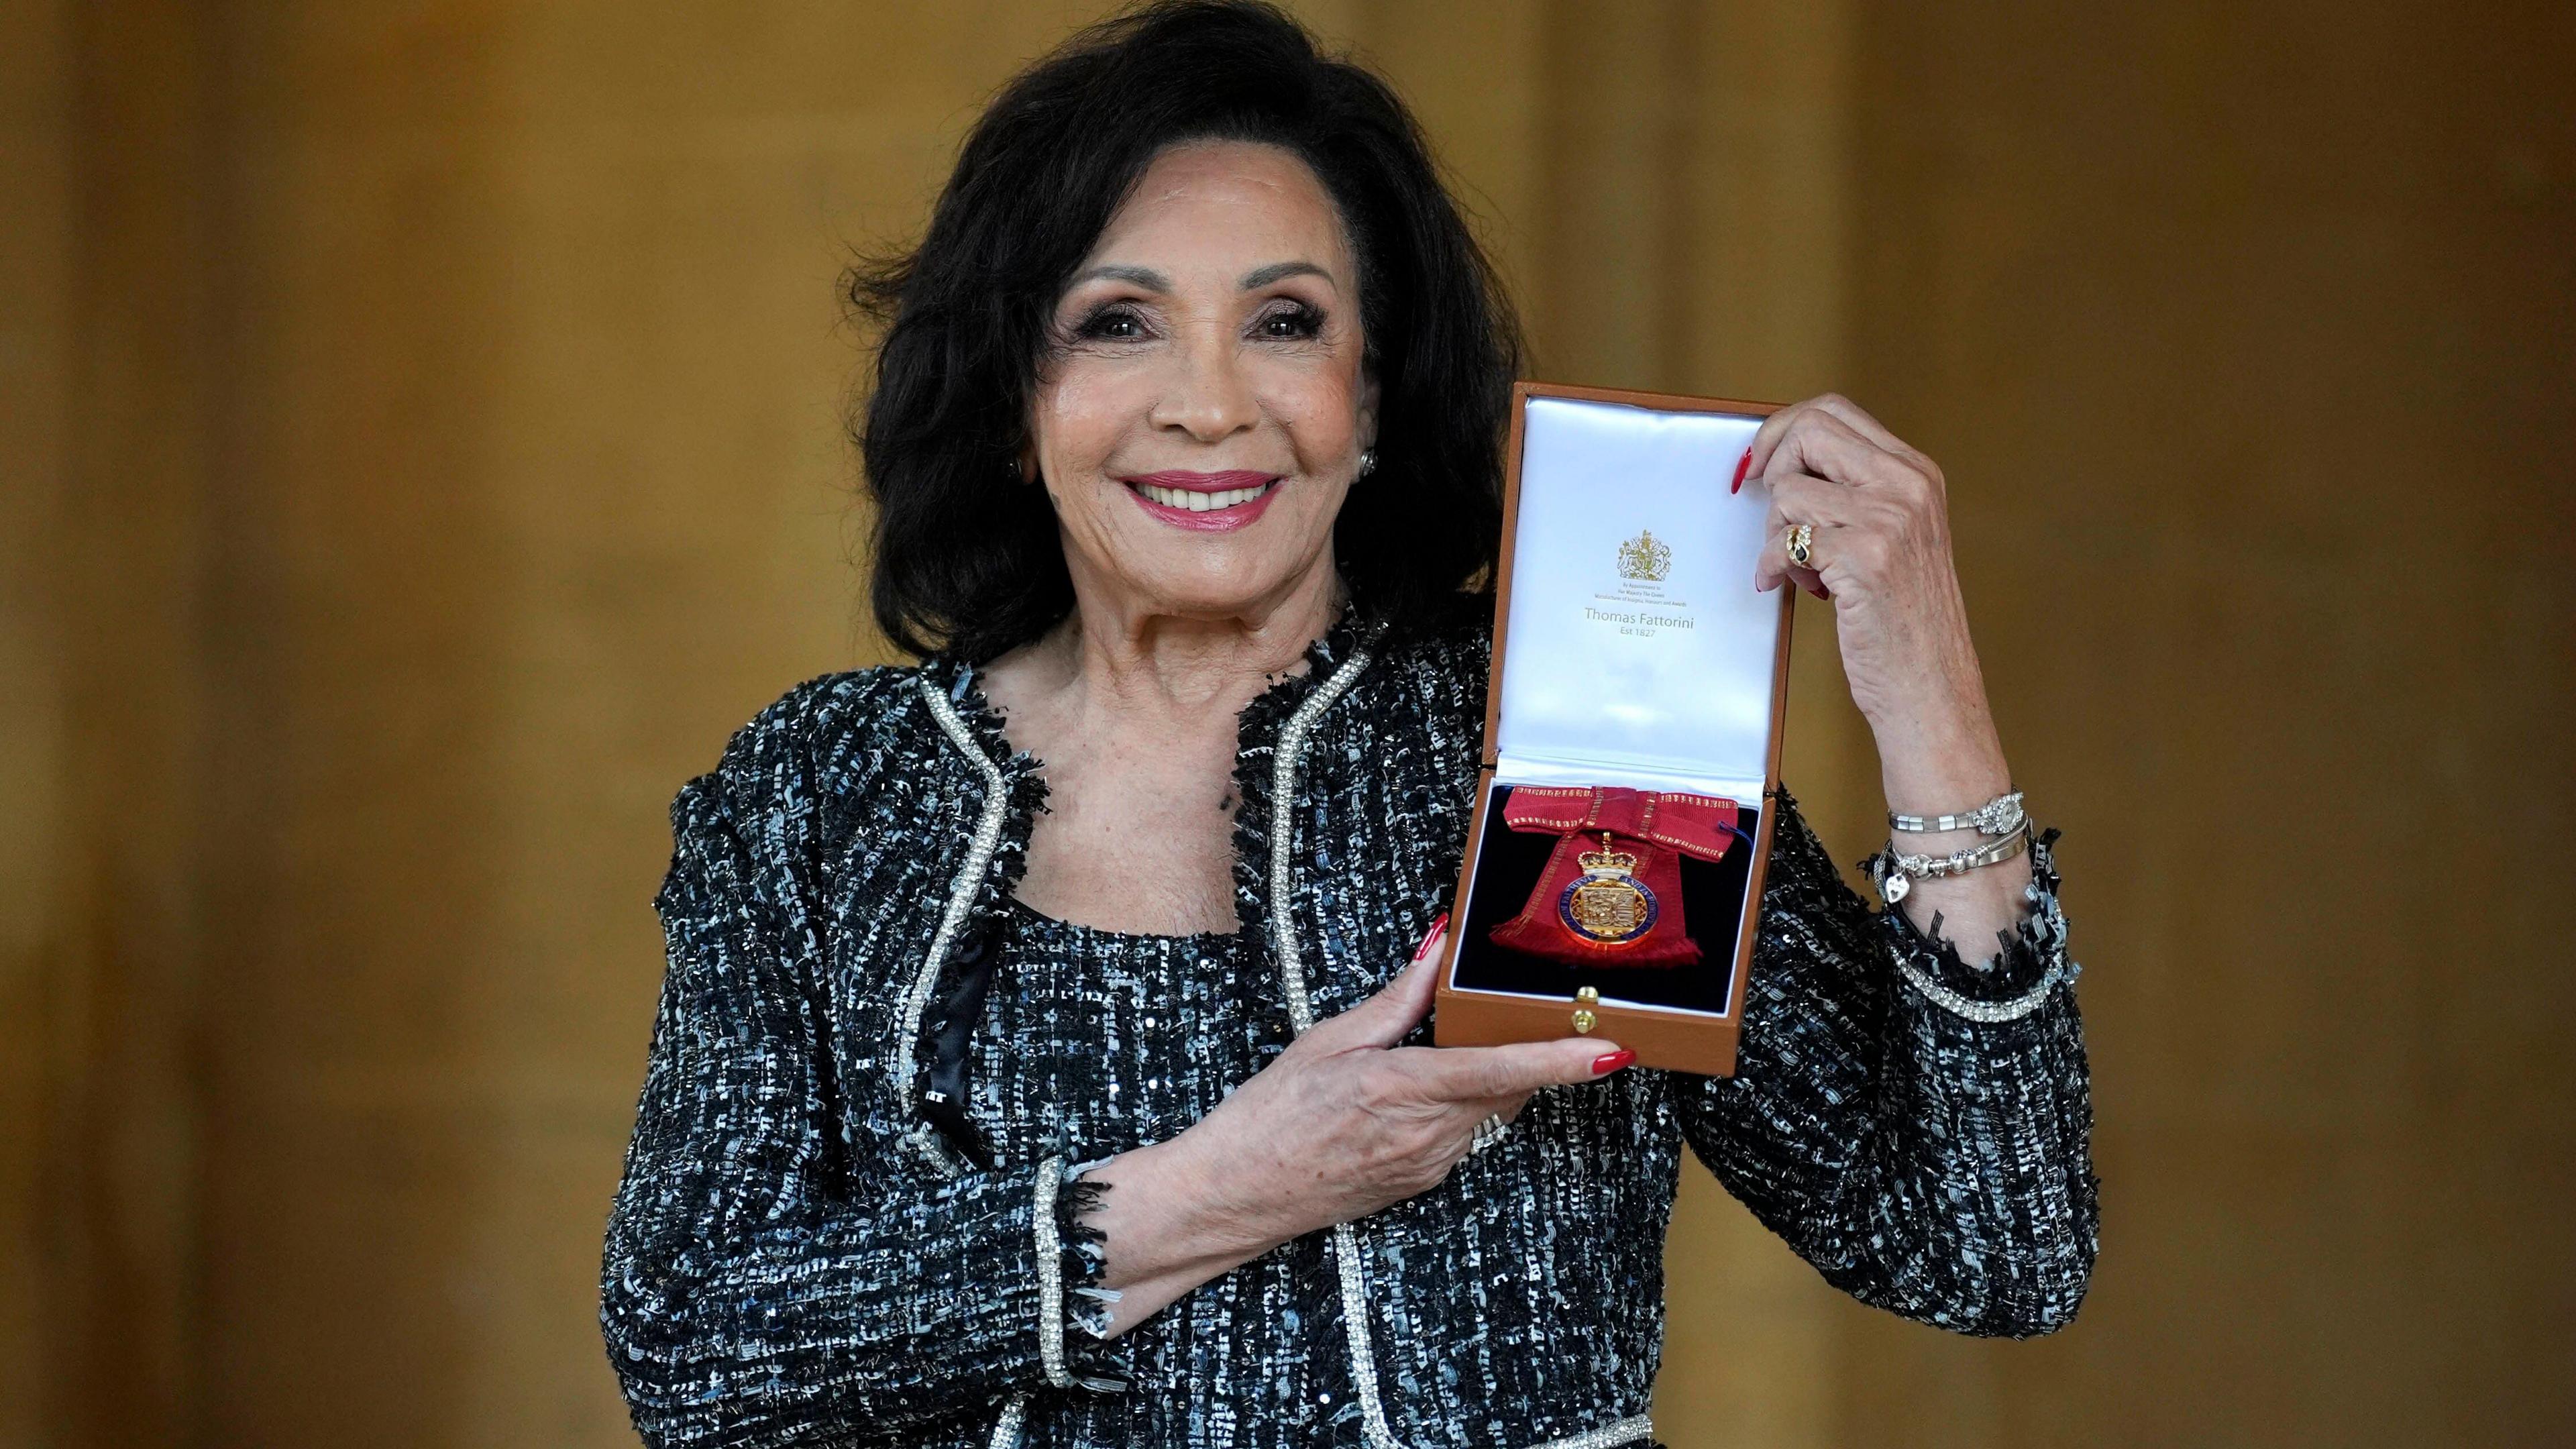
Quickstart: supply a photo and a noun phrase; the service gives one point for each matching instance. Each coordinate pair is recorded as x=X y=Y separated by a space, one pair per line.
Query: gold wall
x=420 y=445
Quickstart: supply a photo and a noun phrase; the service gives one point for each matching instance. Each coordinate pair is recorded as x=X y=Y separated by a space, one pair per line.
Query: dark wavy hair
x=967 y=557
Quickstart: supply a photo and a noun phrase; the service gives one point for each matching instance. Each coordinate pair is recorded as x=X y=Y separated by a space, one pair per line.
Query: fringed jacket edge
x=794 y=1258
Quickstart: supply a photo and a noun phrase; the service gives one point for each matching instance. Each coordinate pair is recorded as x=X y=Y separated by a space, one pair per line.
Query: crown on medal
x=1607 y=860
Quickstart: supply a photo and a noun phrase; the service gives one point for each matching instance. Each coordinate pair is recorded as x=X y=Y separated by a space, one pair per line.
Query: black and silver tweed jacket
x=796 y=1257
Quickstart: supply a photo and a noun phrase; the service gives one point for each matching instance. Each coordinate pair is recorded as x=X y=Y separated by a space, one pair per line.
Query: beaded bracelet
x=2000 y=816
x=1894 y=873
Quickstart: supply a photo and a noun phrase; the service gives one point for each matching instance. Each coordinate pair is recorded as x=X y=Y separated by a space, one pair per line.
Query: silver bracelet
x=1894 y=873
x=2000 y=816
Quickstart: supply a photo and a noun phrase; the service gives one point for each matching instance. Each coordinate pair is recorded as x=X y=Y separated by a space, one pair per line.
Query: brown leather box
x=1630 y=651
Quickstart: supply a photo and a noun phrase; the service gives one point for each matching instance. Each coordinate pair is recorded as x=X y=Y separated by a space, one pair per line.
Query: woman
x=977 y=1110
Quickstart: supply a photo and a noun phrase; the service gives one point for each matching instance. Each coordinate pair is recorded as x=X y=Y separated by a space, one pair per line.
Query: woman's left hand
x=1880 y=551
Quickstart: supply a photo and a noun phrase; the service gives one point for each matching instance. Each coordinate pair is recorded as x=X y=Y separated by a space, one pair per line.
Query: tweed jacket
x=795 y=1256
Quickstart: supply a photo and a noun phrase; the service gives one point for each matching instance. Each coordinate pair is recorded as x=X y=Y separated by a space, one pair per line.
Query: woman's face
x=1203 y=408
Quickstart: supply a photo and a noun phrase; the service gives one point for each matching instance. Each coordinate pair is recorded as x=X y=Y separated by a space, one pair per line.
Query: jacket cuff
x=1072 y=1307
x=2018 y=980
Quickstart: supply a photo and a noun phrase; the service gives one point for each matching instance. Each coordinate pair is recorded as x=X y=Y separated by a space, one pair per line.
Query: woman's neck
x=1135 y=712
x=1123 y=655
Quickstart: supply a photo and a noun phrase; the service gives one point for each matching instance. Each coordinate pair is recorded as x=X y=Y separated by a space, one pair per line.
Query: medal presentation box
x=1632 y=735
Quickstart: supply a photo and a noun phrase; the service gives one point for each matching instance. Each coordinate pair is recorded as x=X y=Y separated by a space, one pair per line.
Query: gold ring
x=1802 y=541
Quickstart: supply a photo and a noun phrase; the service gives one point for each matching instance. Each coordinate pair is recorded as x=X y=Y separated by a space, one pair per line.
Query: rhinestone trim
x=961 y=894
x=1625 y=1431
x=1006 y=1429
x=1283 y=829
x=1050 y=1275
x=1355 y=1330
x=1980 y=1011
x=924 y=1142
x=1301 y=1015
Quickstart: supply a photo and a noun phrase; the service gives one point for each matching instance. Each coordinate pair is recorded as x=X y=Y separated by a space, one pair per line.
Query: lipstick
x=1206 y=502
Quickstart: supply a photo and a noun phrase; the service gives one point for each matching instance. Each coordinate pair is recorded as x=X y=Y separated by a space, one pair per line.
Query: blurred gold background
x=421 y=432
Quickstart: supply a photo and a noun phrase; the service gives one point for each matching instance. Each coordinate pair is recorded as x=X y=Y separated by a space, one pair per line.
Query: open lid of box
x=1633 y=649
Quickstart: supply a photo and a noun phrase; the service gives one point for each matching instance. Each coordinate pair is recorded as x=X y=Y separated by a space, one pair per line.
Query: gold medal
x=1607 y=904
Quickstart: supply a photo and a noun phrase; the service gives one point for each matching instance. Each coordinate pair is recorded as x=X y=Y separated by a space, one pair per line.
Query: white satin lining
x=1589 y=700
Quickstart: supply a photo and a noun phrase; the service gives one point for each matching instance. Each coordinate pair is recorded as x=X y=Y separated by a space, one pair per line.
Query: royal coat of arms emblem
x=1607 y=904
x=1645 y=557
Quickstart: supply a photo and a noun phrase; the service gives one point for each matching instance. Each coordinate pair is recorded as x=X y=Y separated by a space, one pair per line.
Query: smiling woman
x=1208 y=377
x=1041 y=1052
x=1339 y=271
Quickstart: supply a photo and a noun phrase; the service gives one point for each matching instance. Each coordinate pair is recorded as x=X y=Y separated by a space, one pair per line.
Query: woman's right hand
x=1343 y=1123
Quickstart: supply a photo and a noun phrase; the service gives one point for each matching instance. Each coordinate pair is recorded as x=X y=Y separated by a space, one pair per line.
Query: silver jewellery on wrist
x=2000 y=816
x=1894 y=872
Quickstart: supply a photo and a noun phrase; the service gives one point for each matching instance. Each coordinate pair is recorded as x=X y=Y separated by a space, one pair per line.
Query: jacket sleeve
x=768 y=1278
x=1917 y=1129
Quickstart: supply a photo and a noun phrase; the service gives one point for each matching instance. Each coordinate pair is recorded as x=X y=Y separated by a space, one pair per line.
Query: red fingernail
x=1608 y=1062
x=1438 y=925
x=1740 y=465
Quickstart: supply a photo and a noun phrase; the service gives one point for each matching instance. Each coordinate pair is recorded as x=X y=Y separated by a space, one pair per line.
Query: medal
x=1607 y=904
x=1611 y=893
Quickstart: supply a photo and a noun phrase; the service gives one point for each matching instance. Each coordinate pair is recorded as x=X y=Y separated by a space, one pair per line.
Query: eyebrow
x=1264 y=276
x=1145 y=277
x=1154 y=281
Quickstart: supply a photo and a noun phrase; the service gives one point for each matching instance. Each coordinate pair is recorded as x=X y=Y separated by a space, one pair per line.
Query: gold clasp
x=1584 y=1019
